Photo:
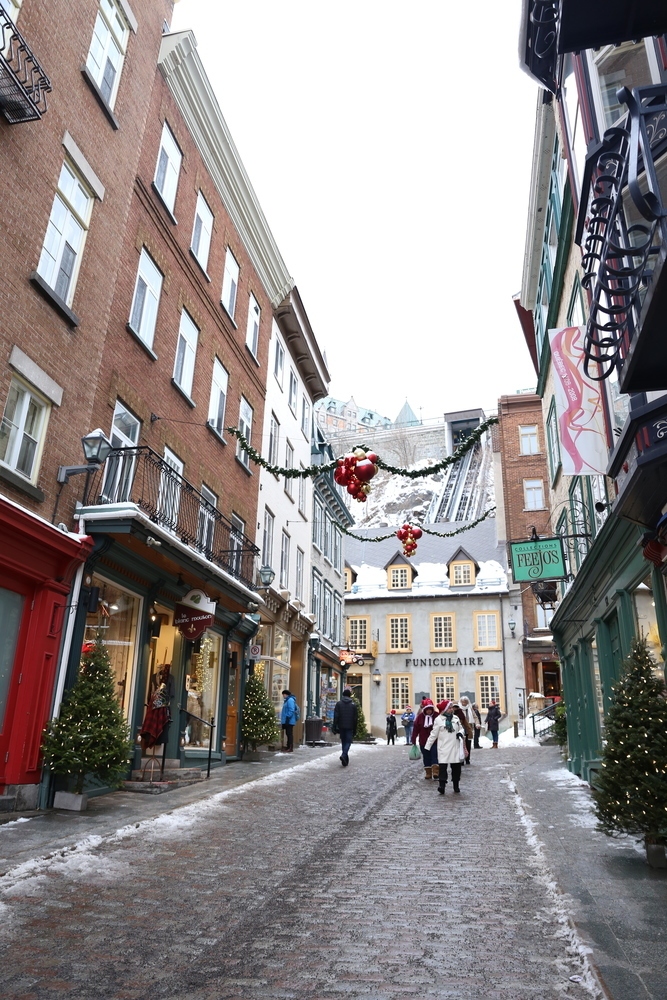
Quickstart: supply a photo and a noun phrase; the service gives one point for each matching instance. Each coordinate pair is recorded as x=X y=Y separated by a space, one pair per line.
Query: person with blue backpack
x=289 y=716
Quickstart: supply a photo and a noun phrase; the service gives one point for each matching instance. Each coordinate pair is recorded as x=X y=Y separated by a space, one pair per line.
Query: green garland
x=312 y=471
x=427 y=531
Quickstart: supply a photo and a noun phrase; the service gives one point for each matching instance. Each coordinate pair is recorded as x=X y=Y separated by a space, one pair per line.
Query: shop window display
x=201 y=685
x=116 y=619
x=647 y=622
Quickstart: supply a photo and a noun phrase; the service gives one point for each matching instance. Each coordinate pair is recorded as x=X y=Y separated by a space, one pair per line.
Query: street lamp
x=96 y=449
x=266 y=576
x=377 y=676
x=512 y=624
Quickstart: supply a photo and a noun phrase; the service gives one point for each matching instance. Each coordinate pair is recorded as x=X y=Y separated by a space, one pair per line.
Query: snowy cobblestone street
x=314 y=882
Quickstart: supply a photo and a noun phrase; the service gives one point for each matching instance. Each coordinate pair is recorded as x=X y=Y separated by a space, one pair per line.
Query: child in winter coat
x=448 y=735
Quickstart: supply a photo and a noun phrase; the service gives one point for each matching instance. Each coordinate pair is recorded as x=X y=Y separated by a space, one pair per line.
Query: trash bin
x=314 y=730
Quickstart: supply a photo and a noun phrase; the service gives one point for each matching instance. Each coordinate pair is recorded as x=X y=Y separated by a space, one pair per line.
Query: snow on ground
x=13 y=822
x=579 y=793
x=506 y=739
x=79 y=861
x=555 y=901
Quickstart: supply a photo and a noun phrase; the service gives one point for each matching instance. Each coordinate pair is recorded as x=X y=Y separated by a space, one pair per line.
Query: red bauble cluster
x=409 y=536
x=355 y=471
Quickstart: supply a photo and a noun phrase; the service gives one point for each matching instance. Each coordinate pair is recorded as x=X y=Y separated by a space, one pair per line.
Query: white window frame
x=252 y=326
x=279 y=363
x=236 y=537
x=284 y=559
x=305 y=417
x=107 y=48
x=444 y=624
x=18 y=436
x=303 y=498
x=168 y=168
x=274 y=439
x=533 y=491
x=298 y=580
x=316 y=597
x=201 y=235
x=119 y=469
x=206 y=521
x=318 y=523
x=246 y=414
x=186 y=353
x=358 y=633
x=289 y=464
x=553 y=441
x=169 y=498
x=12 y=8
x=338 y=549
x=594 y=58
x=398 y=691
x=337 y=618
x=529 y=440
x=267 y=537
x=146 y=299
x=66 y=233
x=218 y=400
x=293 y=394
x=230 y=284
x=484 y=639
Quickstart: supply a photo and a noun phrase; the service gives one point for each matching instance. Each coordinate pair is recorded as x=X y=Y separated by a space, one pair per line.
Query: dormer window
x=400 y=578
x=463 y=569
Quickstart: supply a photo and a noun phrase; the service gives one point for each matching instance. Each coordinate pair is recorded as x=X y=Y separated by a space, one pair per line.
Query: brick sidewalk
x=317 y=883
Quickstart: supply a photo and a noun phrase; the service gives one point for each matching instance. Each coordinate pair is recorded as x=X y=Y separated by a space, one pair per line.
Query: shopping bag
x=462 y=750
x=414 y=753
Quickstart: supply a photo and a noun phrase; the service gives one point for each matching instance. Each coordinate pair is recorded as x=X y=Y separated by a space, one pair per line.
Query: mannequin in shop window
x=155 y=727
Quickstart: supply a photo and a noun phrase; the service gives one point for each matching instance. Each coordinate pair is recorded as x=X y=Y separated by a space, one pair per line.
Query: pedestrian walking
x=447 y=735
x=493 y=717
x=392 y=728
x=345 y=723
x=477 y=725
x=420 y=734
x=466 y=708
x=289 y=716
x=408 y=720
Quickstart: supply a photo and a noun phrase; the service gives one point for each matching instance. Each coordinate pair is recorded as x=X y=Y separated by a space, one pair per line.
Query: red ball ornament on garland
x=408 y=536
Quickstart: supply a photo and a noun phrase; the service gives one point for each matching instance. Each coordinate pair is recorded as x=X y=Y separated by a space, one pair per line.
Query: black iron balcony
x=23 y=83
x=140 y=476
x=625 y=245
x=638 y=461
x=549 y=28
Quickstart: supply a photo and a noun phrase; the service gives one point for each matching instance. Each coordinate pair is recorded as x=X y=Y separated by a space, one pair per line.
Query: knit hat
x=407 y=708
x=427 y=703
x=442 y=705
x=393 y=711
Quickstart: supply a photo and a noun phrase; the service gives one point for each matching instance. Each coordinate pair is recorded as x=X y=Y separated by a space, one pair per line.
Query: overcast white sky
x=390 y=147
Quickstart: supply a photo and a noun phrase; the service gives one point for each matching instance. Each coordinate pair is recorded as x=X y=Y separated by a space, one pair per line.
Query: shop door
x=11 y=617
x=233 y=692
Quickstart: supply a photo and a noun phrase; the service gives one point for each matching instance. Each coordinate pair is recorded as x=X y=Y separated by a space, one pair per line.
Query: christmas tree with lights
x=90 y=736
x=258 y=722
x=360 y=733
x=631 y=791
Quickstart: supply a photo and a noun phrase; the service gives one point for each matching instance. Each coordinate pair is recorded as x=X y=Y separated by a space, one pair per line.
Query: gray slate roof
x=480 y=542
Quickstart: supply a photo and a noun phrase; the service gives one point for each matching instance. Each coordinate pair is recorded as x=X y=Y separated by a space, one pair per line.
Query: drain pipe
x=502 y=633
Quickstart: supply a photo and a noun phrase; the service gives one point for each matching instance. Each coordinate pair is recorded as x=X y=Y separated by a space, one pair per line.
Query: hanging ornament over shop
x=409 y=536
x=355 y=471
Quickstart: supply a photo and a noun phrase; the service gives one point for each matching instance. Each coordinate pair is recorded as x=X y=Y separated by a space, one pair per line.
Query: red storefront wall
x=38 y=562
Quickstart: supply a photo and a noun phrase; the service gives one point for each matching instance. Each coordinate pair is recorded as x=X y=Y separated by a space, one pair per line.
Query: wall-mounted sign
x=541 y=559
x=579 y=405
x=194 y=614
x=255 y=652
x=444 y=661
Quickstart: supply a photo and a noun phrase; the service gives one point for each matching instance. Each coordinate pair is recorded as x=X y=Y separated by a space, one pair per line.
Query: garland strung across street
x=355 y=470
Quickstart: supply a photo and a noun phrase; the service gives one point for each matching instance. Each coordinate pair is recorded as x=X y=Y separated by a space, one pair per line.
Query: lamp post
x=512 y=624
x=377 y=677
x=266 y=576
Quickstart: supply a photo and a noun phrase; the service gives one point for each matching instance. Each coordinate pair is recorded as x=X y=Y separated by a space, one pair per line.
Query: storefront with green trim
x=616 y=595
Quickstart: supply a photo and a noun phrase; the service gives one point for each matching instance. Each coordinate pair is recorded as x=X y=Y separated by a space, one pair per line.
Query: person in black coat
x=392 y=728
x=493 y=717
x=345 y=723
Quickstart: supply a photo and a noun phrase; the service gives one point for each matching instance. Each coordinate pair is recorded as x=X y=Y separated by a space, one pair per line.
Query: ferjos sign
x=194 y=614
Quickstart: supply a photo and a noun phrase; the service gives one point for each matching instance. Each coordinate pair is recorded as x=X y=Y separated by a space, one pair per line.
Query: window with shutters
x=398 y=633
x=358 y=634
x=443 y=633
x=487 y=631
x=66 y=234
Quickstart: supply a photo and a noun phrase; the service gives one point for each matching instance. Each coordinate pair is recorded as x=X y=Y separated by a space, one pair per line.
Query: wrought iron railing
x=23 y=83
x=626 y=228
x=141 y=476
x=544 y=721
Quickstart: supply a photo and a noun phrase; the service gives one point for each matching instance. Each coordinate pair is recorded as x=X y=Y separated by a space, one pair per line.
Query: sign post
x=537 y=559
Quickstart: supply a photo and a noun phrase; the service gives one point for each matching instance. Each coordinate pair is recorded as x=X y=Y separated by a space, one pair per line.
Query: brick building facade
x=519 y=437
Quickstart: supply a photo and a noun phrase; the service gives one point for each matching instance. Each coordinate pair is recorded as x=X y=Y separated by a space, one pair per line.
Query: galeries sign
x=538 y=559
x=194 y=614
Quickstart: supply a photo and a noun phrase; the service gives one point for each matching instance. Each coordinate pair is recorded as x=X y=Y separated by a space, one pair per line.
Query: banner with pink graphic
x=579 y=406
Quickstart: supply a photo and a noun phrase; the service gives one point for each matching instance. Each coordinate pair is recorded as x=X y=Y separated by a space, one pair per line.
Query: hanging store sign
x=541 y=559
x=579 y=406
x=194 y=614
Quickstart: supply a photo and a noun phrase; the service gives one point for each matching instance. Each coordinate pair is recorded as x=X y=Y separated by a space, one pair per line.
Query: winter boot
x=428 y=773
x=457 y=789
x=495 y=746
x=436 y=771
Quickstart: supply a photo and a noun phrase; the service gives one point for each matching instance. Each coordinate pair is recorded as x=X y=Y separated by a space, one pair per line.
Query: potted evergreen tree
x=630 y=792
x=258 y=721
x=90 y=736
